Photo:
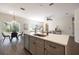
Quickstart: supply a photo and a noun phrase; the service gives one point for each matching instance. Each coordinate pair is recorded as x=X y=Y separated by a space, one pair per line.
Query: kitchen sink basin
x=41 y=35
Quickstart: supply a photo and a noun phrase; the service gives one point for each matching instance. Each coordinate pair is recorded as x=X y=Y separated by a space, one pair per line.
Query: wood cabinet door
x=33 y=45
x=40 y=46
x=54 y=49
x=26 y=41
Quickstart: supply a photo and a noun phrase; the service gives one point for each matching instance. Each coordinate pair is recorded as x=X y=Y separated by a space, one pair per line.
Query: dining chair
x=14 y=35
x=20 y=35
x=5 y=36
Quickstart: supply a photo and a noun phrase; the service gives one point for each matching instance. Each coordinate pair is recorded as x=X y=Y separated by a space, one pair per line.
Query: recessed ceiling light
x=22 y=8
x=51 y=4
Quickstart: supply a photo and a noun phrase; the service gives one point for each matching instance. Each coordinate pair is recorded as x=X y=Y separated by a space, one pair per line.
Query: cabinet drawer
x=53 y=48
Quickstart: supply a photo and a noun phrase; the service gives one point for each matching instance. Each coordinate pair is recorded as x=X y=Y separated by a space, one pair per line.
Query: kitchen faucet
x=36 y=28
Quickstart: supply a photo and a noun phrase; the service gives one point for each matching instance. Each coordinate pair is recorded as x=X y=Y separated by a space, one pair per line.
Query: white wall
x=64 y=23
x=77 y=25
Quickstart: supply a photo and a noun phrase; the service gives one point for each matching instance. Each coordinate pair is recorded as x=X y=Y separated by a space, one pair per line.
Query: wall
x=77 y=25
x=64 y=23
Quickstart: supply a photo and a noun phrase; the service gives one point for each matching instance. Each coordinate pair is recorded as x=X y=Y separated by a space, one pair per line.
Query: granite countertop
x=60 y=39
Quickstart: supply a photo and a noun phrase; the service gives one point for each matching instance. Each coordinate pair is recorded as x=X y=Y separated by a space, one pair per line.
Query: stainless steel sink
x=41 y=35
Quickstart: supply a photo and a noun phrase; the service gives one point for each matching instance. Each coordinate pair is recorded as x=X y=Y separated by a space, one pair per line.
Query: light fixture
x=12 y=12
x=14 y=16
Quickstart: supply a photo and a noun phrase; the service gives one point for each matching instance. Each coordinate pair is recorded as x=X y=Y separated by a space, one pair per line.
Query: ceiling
x=39 y=10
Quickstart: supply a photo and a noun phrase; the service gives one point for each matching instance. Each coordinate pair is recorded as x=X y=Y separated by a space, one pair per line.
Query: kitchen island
x=51 y=44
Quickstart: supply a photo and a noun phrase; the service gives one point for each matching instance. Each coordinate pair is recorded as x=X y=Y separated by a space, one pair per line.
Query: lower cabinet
x=32 y=45
x=39 y=46
x=54 y=49
x=26 y=41
x=36 y=46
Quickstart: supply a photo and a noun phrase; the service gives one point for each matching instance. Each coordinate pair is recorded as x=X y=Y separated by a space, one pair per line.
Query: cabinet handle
x=52 y=46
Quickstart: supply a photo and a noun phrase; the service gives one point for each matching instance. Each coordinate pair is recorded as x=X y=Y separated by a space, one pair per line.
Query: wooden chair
x=5 y=36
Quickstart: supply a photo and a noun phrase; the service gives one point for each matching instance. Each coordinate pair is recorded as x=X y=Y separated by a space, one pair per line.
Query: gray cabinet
x=26 y=41
x=40 y=46
x=36 y=46
x=54 y=49
x=32 y=45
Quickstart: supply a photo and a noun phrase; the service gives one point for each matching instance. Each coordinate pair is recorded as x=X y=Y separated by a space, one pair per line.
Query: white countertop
x=60 y=39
